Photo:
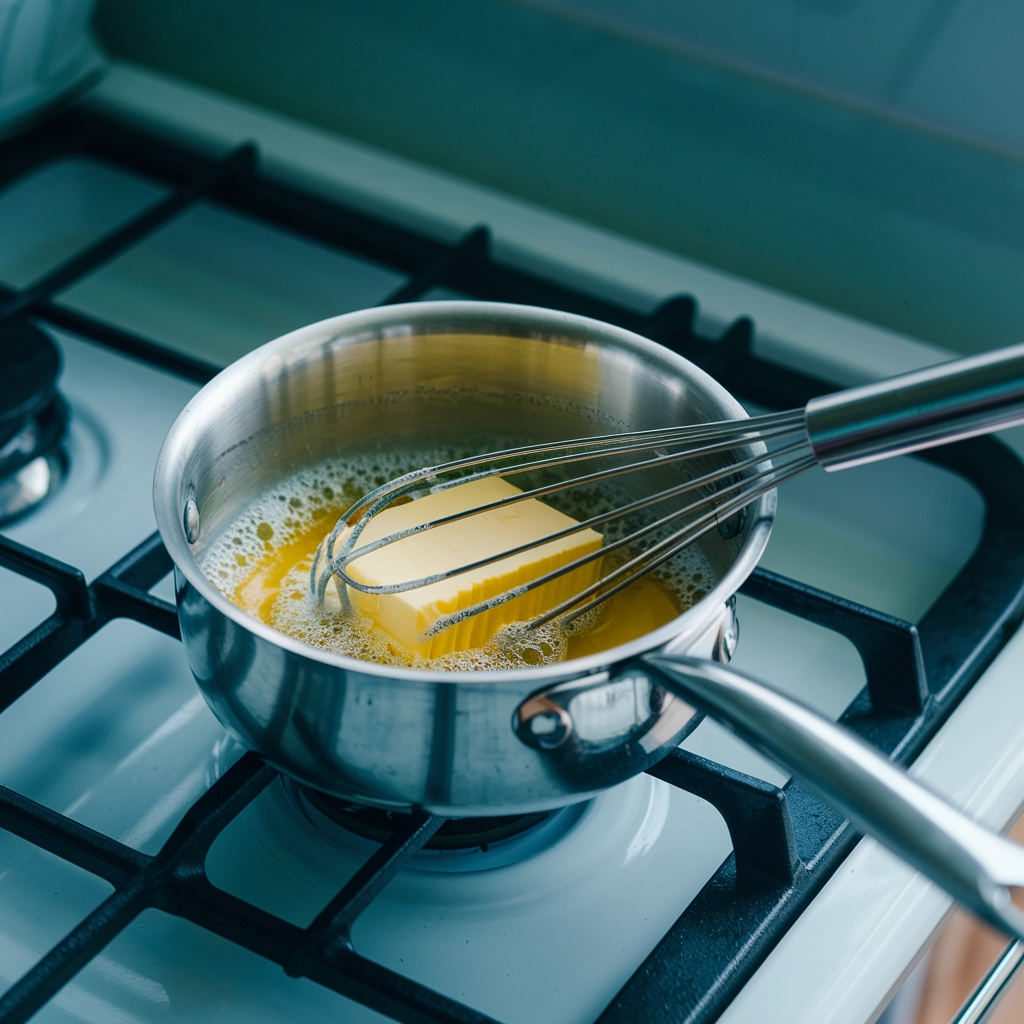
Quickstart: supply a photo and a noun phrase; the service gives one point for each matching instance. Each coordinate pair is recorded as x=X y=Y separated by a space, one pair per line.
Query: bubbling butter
x=262 y=563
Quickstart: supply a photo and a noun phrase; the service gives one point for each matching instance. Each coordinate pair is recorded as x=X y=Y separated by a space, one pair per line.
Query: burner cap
x=29 y=364
x=38 y=435
x=33 y=419
x=455 y=834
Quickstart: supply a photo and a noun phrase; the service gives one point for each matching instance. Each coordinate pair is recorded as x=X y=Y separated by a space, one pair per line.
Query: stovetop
x=151 y=265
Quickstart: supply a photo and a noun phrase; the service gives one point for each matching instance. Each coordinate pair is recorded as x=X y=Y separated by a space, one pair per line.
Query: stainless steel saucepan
x=492 y=743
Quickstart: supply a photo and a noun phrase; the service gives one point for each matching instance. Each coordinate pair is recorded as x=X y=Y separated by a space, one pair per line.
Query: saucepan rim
x=691 y=624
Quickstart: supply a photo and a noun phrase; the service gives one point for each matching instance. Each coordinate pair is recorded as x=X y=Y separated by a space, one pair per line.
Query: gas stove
x=151 y=867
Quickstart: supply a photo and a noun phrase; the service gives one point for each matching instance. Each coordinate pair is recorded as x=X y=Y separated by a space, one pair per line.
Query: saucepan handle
x=975 y=866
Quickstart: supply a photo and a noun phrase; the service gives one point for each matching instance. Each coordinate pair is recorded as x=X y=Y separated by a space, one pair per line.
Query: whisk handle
x=936 y=405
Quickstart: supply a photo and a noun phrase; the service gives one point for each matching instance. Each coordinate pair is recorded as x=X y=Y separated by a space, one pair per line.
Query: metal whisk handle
x=928 y=407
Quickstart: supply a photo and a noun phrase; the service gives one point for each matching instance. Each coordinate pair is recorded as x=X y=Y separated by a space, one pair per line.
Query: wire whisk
x=736 y=462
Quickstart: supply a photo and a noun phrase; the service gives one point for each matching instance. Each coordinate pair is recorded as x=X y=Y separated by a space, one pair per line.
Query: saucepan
x=484 y=743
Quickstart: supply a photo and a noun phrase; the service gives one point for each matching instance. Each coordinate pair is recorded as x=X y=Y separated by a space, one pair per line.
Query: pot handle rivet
x=728 y=634
x=541 y=723
x=190 y=521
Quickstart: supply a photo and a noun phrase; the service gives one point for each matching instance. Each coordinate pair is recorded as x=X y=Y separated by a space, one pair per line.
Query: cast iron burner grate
x=786 y=843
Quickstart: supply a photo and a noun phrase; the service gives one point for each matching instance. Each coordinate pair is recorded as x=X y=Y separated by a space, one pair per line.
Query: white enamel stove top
x=118 y=738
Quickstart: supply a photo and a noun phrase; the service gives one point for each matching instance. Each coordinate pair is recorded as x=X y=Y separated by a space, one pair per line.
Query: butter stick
x=407 y=617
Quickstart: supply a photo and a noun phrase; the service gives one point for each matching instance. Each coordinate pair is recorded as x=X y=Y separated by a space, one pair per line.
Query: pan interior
x=406 y=398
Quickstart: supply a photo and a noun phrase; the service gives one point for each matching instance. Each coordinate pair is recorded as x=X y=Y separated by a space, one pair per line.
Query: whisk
x=749 y=457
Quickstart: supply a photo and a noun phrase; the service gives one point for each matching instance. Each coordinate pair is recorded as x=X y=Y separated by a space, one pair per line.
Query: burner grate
x=786 y=843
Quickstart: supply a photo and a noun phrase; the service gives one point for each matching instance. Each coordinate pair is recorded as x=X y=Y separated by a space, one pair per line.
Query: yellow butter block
x=406 y=617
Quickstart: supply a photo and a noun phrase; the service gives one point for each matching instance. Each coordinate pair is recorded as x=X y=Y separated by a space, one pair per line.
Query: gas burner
x=461 y=844
x=455 y=834
x=33 y=419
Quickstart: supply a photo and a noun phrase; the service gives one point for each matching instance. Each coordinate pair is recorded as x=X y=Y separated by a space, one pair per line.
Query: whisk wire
x=745 y=481
x=683 y=538
x=734 y=432
x=638 y=505
x=758 y=484
x=738 y=432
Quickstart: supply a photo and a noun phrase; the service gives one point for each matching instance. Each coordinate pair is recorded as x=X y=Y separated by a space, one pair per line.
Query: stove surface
x=117 y=738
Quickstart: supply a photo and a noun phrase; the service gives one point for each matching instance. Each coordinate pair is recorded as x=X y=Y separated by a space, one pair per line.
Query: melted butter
x=641 y=608
x=260 y=592
x=270 y=593
x=262 y=564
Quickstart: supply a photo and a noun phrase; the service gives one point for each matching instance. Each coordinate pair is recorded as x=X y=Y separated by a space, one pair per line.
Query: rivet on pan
x=728 y=634
x=541 y=723
x=733 y=526
x=190 y=521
